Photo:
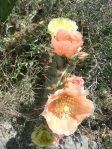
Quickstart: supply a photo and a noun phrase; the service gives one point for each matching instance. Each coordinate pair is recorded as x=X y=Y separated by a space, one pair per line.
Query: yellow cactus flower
x=61 y=23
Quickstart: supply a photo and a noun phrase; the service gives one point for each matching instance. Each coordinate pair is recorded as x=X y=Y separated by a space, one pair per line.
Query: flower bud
x=82 y=56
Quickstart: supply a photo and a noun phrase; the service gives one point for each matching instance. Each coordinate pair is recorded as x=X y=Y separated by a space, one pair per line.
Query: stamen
x=66 y=109
x=64 y=106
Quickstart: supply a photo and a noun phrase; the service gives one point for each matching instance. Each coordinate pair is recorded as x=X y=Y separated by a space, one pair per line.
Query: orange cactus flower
x=66 y=109
x=66 y=43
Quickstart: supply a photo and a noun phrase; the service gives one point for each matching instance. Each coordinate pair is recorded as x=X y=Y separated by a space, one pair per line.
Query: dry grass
x=24 y=51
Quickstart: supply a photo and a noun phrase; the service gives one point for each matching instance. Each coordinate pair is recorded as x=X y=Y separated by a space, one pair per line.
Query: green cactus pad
x=42 y=136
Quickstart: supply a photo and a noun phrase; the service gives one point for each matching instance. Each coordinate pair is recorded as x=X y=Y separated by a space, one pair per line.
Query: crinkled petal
x=75 y=91
x=60 y=48
x=61 y=23
x=66 y=43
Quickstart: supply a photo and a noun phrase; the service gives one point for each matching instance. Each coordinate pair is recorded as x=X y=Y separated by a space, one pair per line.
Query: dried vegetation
x=24 y=59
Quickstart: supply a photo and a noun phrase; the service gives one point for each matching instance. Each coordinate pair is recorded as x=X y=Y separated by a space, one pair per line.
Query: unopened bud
x=82 y=55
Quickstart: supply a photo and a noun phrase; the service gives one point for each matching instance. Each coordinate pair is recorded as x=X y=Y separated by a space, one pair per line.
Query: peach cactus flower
x=66 y=109
x=66 y=43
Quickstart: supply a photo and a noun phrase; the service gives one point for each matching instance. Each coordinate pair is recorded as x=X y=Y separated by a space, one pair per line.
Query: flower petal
x=54 y=96
x=61 y=23
x=66 y=43
x=61 y=126
x=83 y=109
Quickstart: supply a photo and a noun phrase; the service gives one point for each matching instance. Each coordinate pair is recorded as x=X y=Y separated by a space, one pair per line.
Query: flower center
x=66 y=109
x=63 y=106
